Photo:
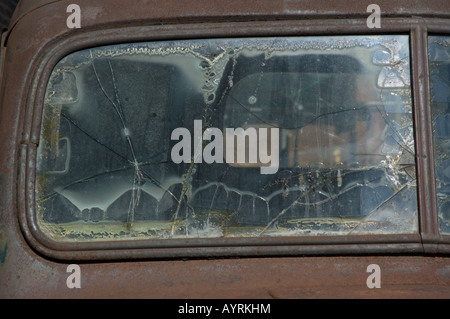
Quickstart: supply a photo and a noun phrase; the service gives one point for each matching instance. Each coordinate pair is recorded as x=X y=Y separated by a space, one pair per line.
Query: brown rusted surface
x=308 y=277
x=38 y=30
x=115 y=10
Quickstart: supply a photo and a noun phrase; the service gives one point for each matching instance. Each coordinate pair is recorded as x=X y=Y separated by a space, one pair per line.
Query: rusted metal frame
x=185 y=248
x=428 y=221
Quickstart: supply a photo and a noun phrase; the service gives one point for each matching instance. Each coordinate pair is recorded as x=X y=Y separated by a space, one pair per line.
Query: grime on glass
x=210 y=138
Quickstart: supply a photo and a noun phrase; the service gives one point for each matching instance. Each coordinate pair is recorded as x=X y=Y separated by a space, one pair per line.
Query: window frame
x=428 y=239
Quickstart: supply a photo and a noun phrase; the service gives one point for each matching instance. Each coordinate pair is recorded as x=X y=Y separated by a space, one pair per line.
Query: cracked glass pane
x=439 y=56
x=294 y=136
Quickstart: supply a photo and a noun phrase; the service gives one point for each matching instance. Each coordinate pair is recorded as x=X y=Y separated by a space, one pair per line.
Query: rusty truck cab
x=211 y=149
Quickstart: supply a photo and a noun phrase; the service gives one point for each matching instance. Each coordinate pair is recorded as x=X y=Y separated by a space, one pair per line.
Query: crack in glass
x=342 y=107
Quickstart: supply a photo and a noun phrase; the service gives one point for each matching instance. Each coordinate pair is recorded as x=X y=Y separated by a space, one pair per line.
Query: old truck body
x=98 y=96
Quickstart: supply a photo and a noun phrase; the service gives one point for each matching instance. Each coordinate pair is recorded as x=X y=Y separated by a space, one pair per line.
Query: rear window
x=209 y=138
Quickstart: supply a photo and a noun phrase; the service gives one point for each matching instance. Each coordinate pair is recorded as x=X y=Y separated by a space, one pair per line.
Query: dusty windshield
x=439 y=56
x=229 y=137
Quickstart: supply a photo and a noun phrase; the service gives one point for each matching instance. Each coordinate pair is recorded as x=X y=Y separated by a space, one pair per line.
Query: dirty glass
x=213 y=138
x=439 y=64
